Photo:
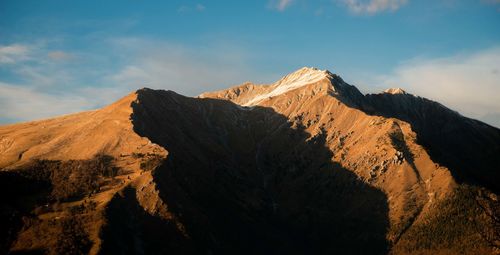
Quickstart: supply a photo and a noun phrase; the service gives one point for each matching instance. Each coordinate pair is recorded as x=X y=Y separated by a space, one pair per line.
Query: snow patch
x=395 y=91
x=300 y=78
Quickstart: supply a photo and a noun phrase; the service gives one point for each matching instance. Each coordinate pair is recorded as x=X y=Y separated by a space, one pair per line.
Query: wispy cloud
x=373 y=6
x=188 y=8
x=32 y=63
x=468 y=83
x=280 y=5
x=10 y=54
x=35 y=84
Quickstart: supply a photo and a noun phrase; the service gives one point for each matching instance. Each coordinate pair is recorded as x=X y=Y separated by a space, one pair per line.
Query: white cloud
x=373 y=6
x=11 y=54
x=469 y=83
x=280 y=5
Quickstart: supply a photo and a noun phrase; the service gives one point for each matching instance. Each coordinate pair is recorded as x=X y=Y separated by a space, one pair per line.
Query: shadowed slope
x=379 y=149
x=469 y=148
x=249 y=182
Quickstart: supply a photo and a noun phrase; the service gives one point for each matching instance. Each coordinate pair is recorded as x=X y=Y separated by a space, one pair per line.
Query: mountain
x=306 y=165
x=467 y=147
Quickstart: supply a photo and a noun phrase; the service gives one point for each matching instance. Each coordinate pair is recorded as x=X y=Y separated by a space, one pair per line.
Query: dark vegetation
x=73 y=179
x=65 y=180
x=149 y=161
x=40 y=187
x=65 y=235
x=72 y=237
x=489 y=205
x=458 y=225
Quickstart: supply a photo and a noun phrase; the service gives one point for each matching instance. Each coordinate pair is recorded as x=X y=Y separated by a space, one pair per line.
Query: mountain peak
x=395 y=91
x=306 y=80
x=303 y=76
x=300 y=78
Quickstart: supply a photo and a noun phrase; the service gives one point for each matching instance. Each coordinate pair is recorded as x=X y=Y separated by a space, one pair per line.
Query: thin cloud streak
x=11 y=54
x=280 y=5
x=188 y=8
x=373 y=6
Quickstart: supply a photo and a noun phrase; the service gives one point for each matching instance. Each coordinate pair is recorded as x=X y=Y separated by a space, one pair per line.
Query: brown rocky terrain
x=307 y=165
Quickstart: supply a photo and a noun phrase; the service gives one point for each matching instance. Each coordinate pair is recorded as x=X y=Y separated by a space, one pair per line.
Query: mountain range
x=306 y=165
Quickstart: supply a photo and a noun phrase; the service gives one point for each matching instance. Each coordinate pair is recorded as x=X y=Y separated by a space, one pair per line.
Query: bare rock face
x=307 y=165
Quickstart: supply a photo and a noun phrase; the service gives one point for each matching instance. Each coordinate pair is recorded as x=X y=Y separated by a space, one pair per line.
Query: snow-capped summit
x=304 y=81
x=295 y=80
x=303 y=76
x=395 y=91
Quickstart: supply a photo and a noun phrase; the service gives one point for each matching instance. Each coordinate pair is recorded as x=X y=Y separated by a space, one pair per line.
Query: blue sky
x=59 y=57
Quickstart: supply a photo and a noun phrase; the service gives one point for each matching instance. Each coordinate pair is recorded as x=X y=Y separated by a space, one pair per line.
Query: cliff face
x=305 y=165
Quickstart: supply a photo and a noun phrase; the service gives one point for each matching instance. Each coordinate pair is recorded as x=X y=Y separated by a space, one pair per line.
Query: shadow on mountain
x=35 y=189
x=469 y=148
x=131 y=230
x=398 y=141
x=19 y=194
x=248 y=181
